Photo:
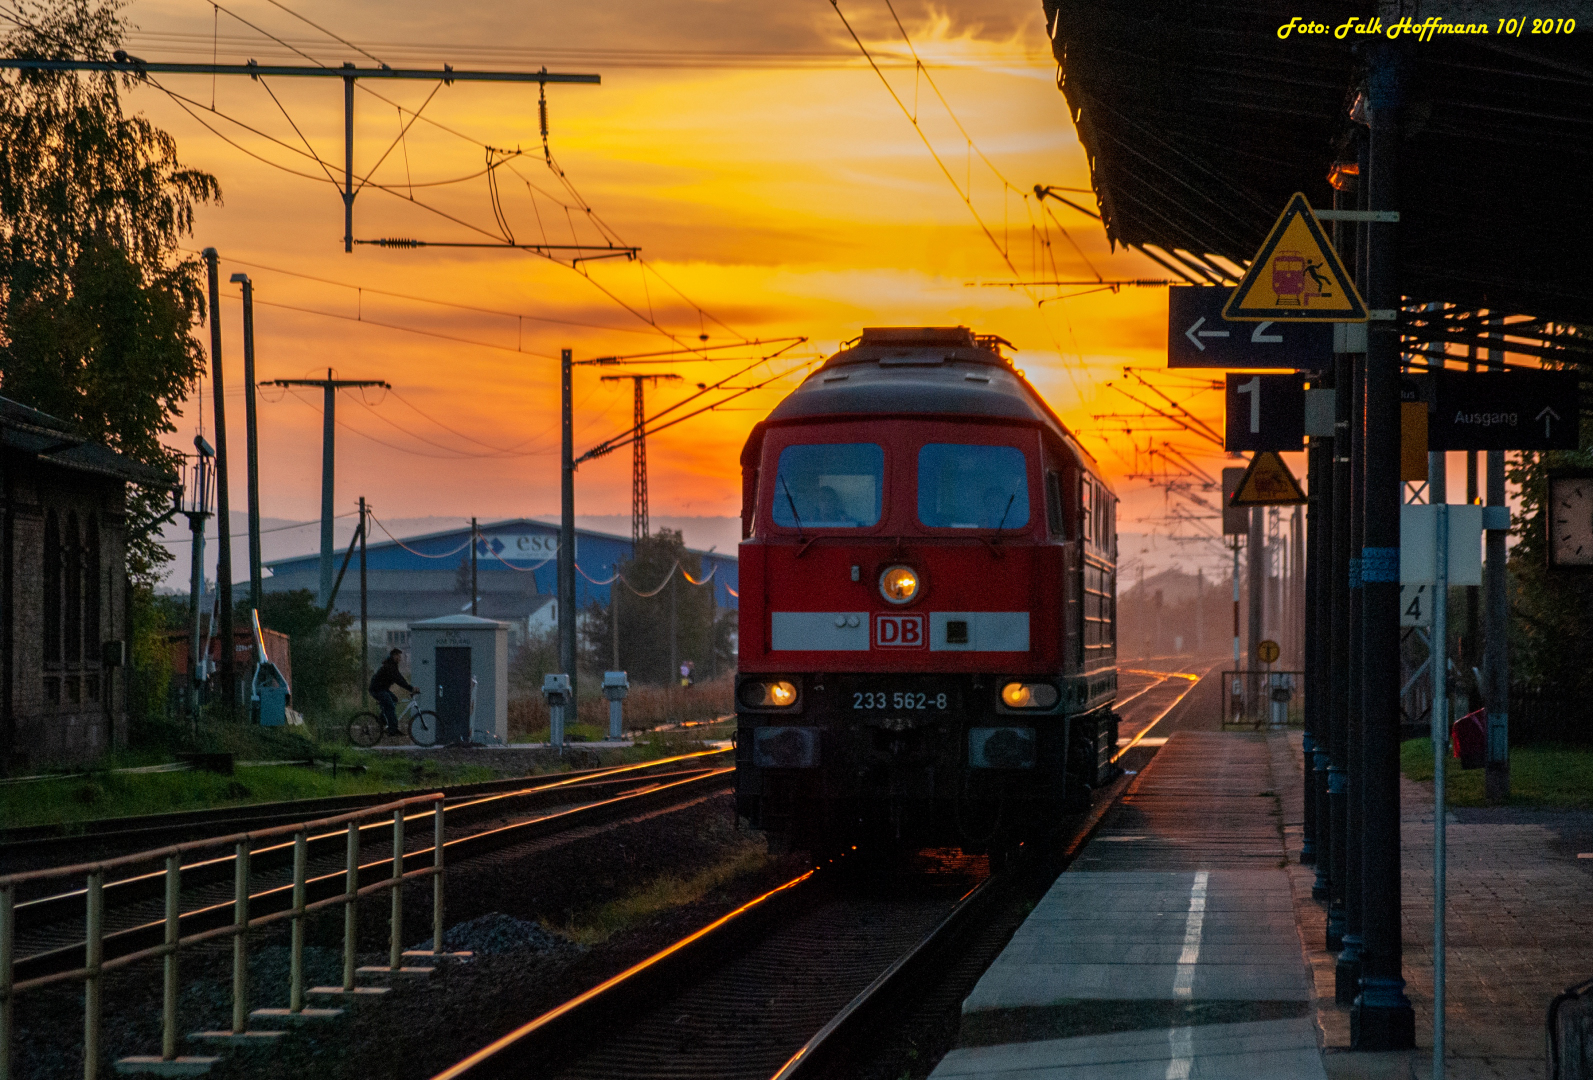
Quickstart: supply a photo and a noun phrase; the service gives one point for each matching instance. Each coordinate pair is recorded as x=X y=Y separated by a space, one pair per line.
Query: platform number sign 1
x=1265 y=412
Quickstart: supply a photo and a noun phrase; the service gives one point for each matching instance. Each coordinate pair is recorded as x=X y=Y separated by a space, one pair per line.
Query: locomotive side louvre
x=928 y=602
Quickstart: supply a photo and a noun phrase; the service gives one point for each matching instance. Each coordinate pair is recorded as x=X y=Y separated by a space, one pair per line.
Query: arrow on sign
x=1548 y=416
x=1260 y=336
x=1196 y=329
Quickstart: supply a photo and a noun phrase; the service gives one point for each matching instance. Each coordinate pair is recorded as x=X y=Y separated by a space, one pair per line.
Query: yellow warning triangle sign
x=1267 y=482
x=1296 y=276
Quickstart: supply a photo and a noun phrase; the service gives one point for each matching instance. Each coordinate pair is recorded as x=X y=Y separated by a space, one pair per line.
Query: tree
x=97 y=301
x=645 y=620
x=326 y=653
x=1551 y=627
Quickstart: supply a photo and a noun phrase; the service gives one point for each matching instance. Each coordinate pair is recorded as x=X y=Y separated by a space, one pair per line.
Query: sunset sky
x=773 y=186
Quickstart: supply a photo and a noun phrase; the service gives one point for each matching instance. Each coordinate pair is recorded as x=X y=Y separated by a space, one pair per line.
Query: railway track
x=800 y=982
x=42 y=846
x=475 y=824
x=788 y=985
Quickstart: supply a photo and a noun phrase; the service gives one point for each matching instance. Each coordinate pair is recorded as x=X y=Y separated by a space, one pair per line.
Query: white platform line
x=1181 y=1044
x=1184 y=981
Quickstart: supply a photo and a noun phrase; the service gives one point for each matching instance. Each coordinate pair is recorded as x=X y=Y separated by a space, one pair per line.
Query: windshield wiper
x=1004 y=513
x=792 y=504
x=991 y=542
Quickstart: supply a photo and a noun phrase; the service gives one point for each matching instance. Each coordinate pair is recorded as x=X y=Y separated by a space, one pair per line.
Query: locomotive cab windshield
x=928 y=576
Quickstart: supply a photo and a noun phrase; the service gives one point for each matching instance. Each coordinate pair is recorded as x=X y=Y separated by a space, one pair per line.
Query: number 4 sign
x=1265 y=412
x=1415 y=605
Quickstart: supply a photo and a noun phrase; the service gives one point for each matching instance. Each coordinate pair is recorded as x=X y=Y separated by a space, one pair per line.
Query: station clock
x=1570 y=519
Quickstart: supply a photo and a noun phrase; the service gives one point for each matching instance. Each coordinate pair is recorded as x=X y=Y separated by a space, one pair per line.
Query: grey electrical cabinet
x=460 y=665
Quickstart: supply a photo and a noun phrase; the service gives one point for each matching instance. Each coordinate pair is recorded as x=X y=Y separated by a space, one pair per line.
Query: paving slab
x=1520 y=929
x=1263 y=1050
x=1170 y=947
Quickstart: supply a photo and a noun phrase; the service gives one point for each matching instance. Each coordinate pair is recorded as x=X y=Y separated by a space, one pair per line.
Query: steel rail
x=141 y=829
x=510 y=1055
x=1144 y=731
x=47 y=910
x=280 y=898
x=829 y=1045
x=542 y=1044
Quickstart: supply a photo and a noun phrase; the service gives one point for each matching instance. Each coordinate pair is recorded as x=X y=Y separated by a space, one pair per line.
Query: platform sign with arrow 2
x=1199 y=337
x=1513 y=410
x=1296 y=275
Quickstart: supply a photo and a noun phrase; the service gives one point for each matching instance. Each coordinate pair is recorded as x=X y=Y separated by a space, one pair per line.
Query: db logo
x=899 y=632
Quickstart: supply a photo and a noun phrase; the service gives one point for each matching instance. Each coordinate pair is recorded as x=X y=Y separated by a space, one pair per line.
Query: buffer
x=1267 y=482
x=1296 y=276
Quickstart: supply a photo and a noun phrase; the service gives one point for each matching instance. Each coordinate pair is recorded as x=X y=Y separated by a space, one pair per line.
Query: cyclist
x=381 y=689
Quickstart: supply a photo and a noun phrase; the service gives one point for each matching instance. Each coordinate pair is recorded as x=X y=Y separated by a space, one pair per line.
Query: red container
x=1469 y=737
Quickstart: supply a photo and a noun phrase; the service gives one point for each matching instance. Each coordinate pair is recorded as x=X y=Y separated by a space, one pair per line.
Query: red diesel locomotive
x=928 y=603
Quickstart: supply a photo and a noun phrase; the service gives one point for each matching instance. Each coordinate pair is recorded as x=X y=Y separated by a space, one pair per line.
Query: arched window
x=72 y=564
x=92 y=633
x=52 y=589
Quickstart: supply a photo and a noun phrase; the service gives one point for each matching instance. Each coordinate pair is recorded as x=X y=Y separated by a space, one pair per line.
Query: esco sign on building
x=524 y=545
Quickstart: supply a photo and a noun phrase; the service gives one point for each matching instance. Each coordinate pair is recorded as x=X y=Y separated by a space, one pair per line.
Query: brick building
x=63 y=589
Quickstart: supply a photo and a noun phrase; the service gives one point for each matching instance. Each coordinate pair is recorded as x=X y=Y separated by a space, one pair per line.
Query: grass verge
x=597 y=925
x=83 y=794
x=106 y=794
x=1560 y=777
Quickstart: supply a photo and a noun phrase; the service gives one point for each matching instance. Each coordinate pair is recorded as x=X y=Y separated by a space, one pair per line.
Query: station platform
x=1183 y=941
x=1169 y=949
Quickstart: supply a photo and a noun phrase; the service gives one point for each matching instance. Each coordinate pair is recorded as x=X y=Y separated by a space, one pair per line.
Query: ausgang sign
x=1513 y=410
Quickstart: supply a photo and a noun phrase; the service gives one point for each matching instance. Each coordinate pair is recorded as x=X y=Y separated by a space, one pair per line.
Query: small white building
x=460 y=665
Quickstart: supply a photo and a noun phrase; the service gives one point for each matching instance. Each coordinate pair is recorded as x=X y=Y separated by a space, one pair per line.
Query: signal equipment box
x=460 y=665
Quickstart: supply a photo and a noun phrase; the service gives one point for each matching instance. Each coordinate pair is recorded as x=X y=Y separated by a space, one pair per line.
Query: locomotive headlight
x=766 y=695
x=1017 y=695
x=899 y=584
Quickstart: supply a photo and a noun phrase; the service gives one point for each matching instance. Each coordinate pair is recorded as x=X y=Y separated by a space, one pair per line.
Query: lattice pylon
x=639 y=472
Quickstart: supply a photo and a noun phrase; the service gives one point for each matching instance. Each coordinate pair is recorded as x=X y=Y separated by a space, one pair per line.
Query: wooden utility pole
x=227 y=670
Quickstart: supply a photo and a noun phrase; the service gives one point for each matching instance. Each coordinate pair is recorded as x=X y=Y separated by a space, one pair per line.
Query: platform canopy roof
x=1199 y=122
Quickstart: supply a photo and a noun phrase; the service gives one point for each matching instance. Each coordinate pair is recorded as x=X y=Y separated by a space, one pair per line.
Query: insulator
x=399 y=242
x=542 y=115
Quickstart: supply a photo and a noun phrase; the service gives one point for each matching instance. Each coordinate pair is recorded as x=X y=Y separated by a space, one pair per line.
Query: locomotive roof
x=937 y=369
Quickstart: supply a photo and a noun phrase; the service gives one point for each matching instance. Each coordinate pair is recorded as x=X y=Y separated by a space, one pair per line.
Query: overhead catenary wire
x=189 y=106
x=432 y=300
x=406 y=547
x=964 y=191
x=551 y=163
x=274 y=529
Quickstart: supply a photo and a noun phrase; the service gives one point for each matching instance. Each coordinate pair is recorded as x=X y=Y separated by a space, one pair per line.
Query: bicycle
x=367 y=728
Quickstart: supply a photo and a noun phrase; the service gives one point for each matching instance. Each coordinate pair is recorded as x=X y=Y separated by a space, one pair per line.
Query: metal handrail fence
x=95 y=965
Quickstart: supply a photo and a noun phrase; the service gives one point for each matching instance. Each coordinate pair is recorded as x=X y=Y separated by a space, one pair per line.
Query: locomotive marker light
x=780 y=694
x=1017 y=695
x=899 y=584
